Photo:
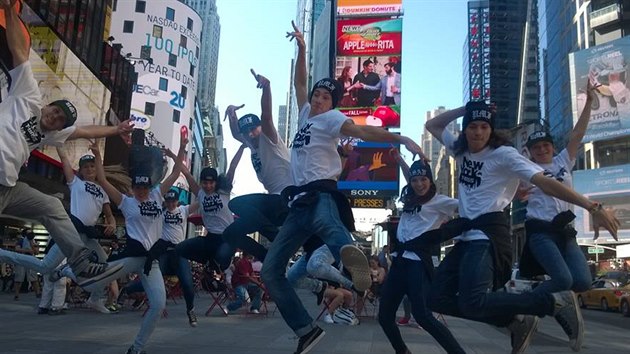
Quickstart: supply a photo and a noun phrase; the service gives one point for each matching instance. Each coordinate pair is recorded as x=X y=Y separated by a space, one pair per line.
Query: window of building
x=183 y=41
x=184 y=91
x=141 y=6
x=157 y=31
x=163 y=84
x=172 y=60
x=149 y=108
x=115 y=5
x=192 y=71
x=190 y=23
x=170 y=14
x=176 y=115
x=145 y=52
x=128 y=27
x=197 y=51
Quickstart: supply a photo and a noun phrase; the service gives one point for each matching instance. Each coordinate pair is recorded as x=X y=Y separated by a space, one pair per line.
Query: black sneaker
x=137 y=305
x=569 y=316
x=42 y=310
x=309 y=340
x=55 y=312
x=133 y=350
x=192 y=318
x=93 y=272
x=522 y=331
x=320 y=294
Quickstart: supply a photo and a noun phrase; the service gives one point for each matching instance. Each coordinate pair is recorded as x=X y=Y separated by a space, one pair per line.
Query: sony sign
x=364 y=193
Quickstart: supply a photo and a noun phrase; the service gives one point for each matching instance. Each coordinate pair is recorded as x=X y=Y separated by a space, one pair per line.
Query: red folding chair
x=218 y=289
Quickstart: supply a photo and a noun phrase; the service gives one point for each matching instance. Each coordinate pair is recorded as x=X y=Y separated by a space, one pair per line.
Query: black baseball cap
x=247 y=123
x=171 y=195
x=538 y=136
x=68 y=109
x=141 y=180
x=209 y=174
x=85 y=159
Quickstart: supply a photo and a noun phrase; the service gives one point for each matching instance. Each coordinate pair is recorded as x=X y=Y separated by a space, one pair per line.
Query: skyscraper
x=209 y=56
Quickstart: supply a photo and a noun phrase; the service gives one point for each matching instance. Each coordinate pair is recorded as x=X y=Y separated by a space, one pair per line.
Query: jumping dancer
x=411 y=270
x=317 y=207
x=26 y=125
x=481 y=260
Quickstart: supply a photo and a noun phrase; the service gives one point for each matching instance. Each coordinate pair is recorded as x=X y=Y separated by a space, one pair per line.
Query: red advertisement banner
x=369 y=37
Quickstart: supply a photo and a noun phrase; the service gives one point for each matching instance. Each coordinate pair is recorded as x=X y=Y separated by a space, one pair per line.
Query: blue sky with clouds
x=253 y=36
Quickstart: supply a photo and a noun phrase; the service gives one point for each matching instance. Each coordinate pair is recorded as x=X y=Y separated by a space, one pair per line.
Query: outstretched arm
x=101 y=131
x=401 y=162
x=300 y=79
x=235 y=160
x=114 y=194
x=580 y=127
x=110 y=221
x=17 y=41
x=68 y=172
x=266 y=115
x=437 y=124
x=601 y=217
x=230 y=113
x=376 y=134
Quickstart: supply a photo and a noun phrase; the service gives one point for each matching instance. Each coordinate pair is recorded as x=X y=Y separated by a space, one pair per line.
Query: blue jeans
x=566 y=265
x=462 y=287
x=251 y=290
x=212 y=247
x=256 y=212
x=321 y=218
x=172 y=264
x=409 y=277
x=297 y=275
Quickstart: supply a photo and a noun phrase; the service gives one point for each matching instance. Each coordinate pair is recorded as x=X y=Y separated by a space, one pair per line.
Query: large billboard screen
x=610 y=186
x=368 y=7
x=369 y=36
x=607 y=65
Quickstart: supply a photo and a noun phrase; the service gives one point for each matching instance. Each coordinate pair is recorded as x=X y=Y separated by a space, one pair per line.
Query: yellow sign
x=368 y=7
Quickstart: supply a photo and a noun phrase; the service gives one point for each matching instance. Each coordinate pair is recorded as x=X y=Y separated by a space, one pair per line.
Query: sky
x=253 y=36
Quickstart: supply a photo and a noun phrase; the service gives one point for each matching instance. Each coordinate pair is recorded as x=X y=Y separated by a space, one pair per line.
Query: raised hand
x=262 y=81
x=7 y=4
x=94 y=148
x=377 y=161
x=297 y=35
x=231 y=111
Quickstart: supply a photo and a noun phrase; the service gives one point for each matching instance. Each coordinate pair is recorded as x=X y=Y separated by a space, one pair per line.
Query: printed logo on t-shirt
x=470 y=173
x=150 y=208
x=256 y=162
x=302 y=137
x=412 y=211
x=31 y=132
x=94 y=190
x=212 y=203
x=558 y=176
x=173 y=218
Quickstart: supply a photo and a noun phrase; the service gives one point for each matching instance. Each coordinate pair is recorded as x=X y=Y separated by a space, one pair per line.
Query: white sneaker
x=97 y=305
x=254 y=311
x=328 y=318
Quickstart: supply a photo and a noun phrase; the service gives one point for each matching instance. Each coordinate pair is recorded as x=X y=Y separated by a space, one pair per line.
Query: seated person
x=244 y=284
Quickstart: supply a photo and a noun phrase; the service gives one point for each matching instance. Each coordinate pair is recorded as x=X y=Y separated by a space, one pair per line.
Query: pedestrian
x=480 y=263
x=316 y=206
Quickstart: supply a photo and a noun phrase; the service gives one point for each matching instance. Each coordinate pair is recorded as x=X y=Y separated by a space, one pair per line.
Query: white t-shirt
x=86 y=200
x=144 y=219
x=214 y=210
x=174 y=229
x=314 y=149
x=545 y=207
x=430 y=216
x=272 y=164
x=20 y=131
x=488 y=180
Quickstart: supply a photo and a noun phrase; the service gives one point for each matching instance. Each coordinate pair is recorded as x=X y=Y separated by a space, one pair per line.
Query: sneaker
x=133 y=350
x=16 y=298
x=254 y=311
x=112 y=308
x=54 y=312
x=320 y=294
x=192 y=318
x=403 y=321
x=569 y=316
x=137 y=305
x=356 y=263
x=98 y=305
x=522 y=330
x=328 y=318
x=93 y=272
x=309 y=340
x=345 y=316
x=42 y=310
